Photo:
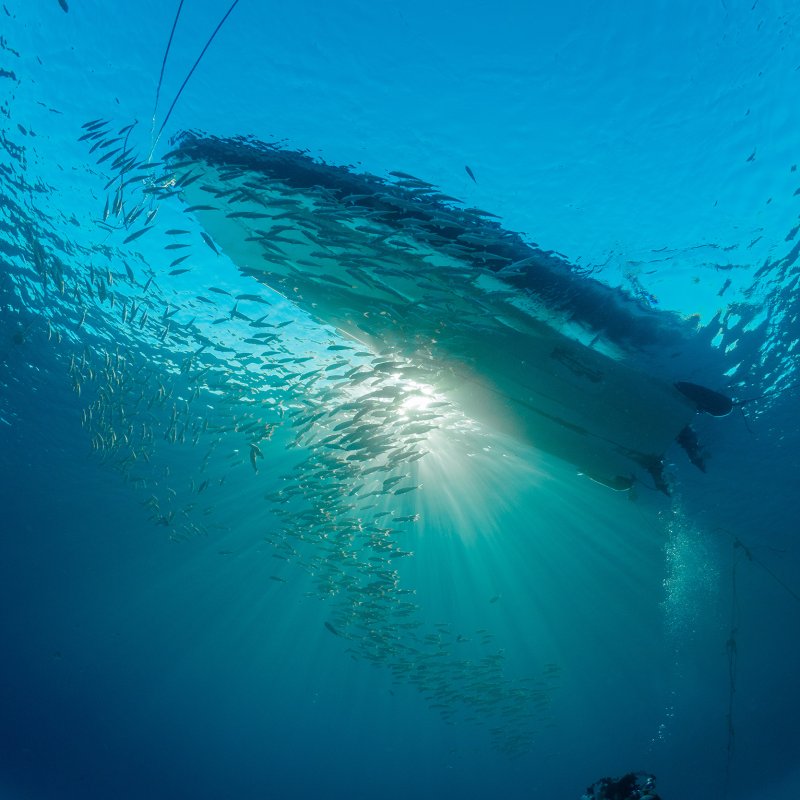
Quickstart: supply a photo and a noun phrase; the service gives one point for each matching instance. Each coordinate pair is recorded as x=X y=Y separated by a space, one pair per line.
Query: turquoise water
x=199 y=599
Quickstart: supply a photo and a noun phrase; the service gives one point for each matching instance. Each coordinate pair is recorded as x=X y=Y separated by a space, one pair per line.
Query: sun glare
x=419 y=398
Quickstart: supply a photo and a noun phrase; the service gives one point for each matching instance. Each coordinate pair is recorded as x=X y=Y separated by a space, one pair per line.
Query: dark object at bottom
x=633 y=786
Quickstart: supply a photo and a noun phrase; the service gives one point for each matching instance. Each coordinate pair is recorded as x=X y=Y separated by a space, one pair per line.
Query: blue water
x=655 y=145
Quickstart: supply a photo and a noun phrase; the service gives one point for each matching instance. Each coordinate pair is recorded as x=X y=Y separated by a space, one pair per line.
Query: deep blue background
x=132 y=666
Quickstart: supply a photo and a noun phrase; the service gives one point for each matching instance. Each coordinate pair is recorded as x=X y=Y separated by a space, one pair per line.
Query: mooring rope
x=739 y=549
x=189 y=75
